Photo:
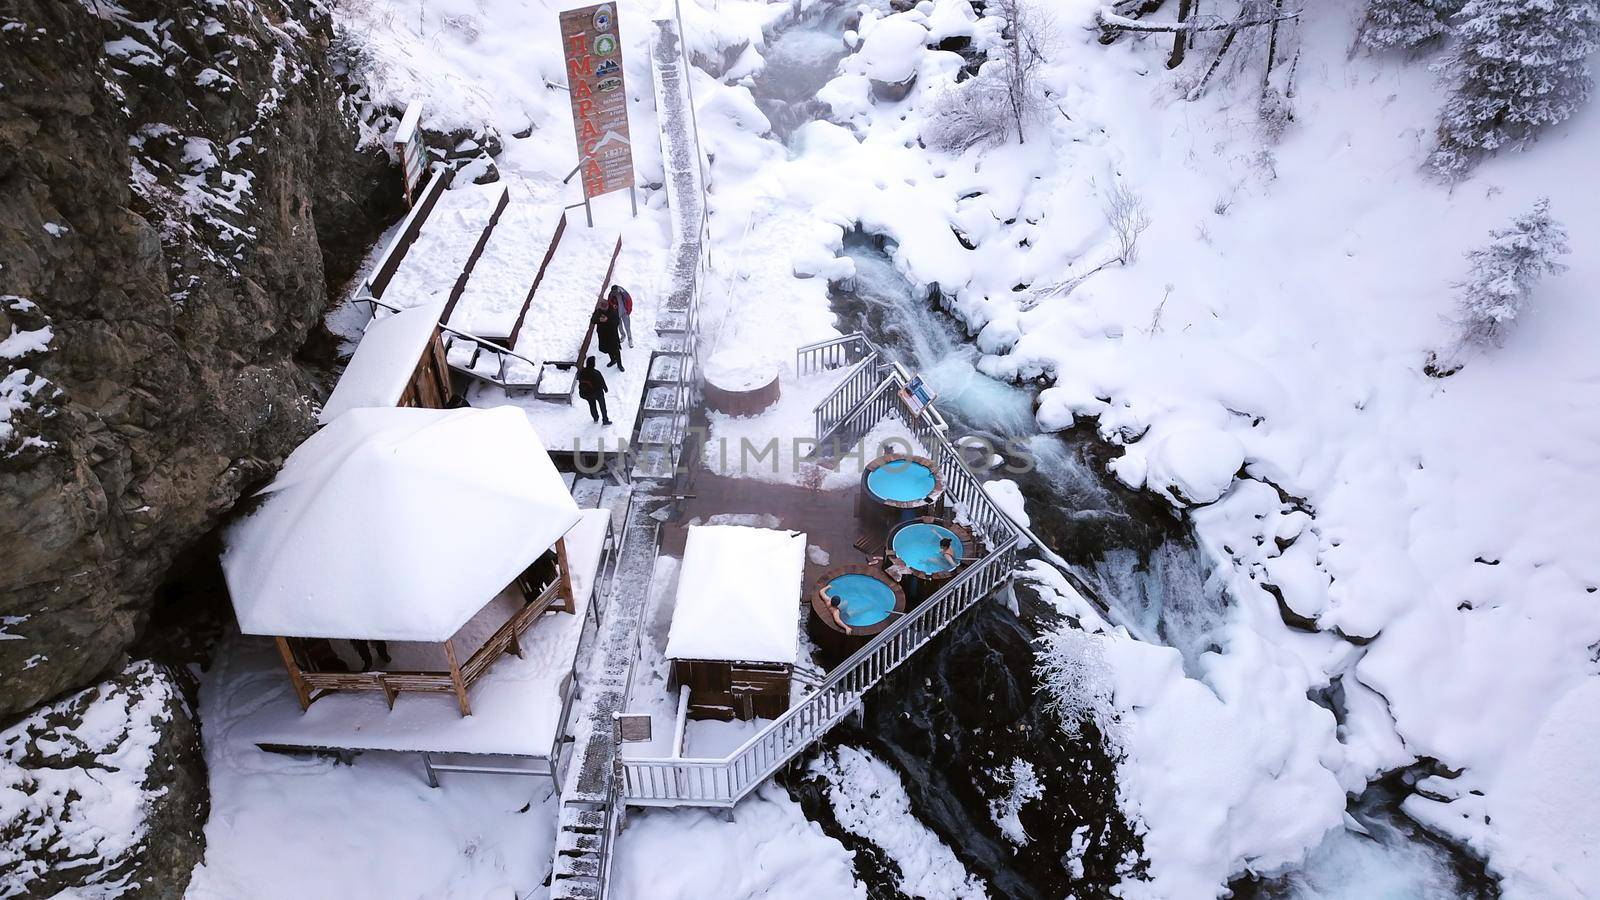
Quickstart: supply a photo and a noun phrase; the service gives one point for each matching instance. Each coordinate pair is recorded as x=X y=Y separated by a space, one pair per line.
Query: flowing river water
x=1134 y=552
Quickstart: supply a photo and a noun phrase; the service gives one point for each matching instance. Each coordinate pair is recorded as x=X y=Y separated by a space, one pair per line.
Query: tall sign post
x=593 y=48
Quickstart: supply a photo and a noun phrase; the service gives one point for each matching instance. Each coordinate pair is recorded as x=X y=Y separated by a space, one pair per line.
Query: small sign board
x=593 y=48
x=632 y=728
x=413 y=155
x=916 y=395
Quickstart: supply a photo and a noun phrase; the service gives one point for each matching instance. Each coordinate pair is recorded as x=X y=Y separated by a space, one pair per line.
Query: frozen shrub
x=1127 y=216
x=1521 y=65
x=1503 y=275
x=971 y=114
x=1273 y=113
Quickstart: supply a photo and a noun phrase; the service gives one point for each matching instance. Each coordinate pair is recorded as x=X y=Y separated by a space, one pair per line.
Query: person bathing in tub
x=835 y=608
x=947 y=552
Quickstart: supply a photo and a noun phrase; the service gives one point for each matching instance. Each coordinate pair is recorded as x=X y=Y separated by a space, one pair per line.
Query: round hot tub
x=917 y=546
x=898 y=486
x=869 y=602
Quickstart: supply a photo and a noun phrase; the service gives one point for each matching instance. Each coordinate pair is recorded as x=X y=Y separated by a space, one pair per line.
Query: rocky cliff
x=105 y=791
x=179 y=186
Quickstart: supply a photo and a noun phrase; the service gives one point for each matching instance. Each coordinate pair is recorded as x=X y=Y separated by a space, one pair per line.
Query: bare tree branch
x=1108 y=20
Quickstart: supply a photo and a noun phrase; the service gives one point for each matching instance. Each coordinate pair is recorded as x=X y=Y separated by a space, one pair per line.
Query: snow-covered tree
x=1520 y=66
x=1504 y=273
x=1027 y=31
x=1393 y=24
x=1074 y=678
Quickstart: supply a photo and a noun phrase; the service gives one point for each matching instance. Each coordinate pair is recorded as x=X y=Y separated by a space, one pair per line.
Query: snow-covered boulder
x=104 y=792
x=1194 y=465
x=890 y=54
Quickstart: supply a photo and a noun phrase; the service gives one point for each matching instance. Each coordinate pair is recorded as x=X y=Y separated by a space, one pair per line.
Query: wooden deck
x=828 y=518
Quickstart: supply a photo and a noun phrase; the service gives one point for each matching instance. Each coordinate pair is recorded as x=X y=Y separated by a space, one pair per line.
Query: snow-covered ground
x=284 y=826
x=1274 y=325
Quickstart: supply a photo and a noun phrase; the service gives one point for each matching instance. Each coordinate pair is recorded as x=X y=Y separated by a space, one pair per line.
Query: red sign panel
x=593 y=48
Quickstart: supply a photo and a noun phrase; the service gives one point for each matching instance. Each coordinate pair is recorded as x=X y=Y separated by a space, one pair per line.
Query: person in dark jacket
x=622 y=302
x=592 y=387
x=606 y=324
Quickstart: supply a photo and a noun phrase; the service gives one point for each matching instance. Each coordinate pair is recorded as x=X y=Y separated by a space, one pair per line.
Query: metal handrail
x=834 y=353
x=859 y=386
x=500 y=352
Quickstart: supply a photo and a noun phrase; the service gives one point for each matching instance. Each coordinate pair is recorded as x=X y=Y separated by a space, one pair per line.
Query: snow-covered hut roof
x=396 y=524
x=384 y=361
x=738 y=595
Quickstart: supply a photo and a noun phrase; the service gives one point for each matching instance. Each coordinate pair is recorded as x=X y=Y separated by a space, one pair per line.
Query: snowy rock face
x=181 y=185
x=103 y=793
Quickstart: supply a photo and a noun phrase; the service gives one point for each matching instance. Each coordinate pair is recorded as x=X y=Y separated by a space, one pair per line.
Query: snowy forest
x=449 y=448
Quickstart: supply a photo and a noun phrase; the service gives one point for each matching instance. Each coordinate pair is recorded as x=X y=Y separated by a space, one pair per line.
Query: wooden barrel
x=740 y=389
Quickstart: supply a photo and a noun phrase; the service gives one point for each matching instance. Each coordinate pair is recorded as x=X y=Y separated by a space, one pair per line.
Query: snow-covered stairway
x=583 y=844
x=590 y=804
x=657 y=444
x=657 y=441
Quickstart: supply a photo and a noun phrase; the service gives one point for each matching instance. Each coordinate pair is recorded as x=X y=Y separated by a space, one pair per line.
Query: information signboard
x=916 y=395
x=593 y=48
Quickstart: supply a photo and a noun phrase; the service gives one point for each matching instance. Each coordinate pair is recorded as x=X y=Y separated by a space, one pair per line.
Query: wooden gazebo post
x=569 y=602
x=455 y=678
x=302 y=691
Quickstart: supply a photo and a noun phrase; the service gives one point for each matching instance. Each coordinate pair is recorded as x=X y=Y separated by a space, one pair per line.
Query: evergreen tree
x=1504 y=273
x=1396 y=24
x=1520 y=66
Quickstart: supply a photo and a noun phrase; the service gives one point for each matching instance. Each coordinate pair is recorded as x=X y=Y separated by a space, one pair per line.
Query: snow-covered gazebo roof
x=384 y=361
x=396 y=524
x=738 y=595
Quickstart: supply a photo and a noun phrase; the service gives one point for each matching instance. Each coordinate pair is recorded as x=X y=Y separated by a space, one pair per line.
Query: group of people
x=612 y=321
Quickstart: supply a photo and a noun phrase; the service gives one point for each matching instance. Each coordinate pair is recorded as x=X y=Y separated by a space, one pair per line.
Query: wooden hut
x=735 y=625
x=404 y=550
x=400 y=361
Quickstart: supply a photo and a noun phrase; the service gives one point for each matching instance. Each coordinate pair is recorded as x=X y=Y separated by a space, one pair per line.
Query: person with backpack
x=592 y=387
x=622 y=302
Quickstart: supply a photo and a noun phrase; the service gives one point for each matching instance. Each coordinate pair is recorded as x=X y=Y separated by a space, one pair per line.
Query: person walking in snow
x=592 y=387
x=606 y=323
x=622 y=302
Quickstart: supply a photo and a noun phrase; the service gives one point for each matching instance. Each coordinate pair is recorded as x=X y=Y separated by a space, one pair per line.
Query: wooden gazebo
x=424 y=541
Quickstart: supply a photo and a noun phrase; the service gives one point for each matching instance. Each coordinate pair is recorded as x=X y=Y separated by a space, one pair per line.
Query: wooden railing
x=389 y=262
x=391 y=683
x=505 y=638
